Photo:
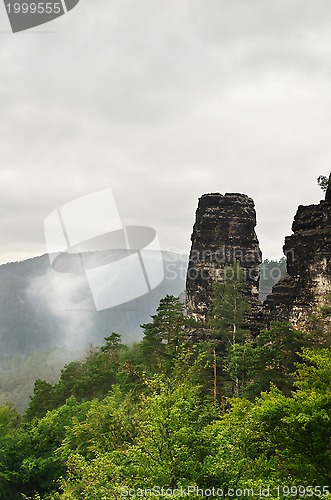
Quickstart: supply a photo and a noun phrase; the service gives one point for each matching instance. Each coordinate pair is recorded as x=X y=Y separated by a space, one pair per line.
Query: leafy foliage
x=323 y=182
x=136 y=418
x=273 y=359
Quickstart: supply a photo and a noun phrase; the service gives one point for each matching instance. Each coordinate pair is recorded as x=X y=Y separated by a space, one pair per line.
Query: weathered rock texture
x=308 y=253
x=224 y=231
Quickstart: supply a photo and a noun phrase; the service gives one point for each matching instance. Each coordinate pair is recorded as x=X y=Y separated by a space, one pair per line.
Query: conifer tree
x=226 y=322
x=164 y=333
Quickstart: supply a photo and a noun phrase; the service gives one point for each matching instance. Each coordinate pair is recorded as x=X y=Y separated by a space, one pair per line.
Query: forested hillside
x=44 y=320
x=41 y=327
x=179 y=414
x=42 y=309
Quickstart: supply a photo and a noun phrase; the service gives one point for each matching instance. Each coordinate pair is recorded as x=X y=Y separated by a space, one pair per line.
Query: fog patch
x=65 y=300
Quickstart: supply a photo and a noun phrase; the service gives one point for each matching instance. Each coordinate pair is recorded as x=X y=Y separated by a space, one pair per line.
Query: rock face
x=328 y=192
x=308 y=253
x=224 y=231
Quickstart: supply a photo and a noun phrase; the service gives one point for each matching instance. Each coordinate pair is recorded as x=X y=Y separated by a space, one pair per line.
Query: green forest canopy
x=125 y=420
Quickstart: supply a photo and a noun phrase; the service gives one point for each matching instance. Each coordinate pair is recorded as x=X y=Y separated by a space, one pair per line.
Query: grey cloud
x=162 y=101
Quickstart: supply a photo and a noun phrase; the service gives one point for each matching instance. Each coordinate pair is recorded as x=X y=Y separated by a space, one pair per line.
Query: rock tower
x=308 y=254
x=224 y=232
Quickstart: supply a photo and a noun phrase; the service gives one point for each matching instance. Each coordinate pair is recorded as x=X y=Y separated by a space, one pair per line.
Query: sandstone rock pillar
x=224 y=231
x=308 y=253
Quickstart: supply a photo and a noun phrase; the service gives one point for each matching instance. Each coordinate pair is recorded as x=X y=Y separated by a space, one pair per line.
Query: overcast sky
x=162 y=101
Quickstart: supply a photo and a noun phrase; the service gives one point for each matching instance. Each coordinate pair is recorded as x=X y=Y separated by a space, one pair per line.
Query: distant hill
x=271 y=272
x=42 y=309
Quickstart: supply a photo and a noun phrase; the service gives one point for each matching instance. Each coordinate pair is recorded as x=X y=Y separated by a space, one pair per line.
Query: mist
x=65 y=298
x=65 y=303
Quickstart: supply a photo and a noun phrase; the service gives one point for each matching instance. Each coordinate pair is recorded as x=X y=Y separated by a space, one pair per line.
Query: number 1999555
x=34 y=8
x=302 y=491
